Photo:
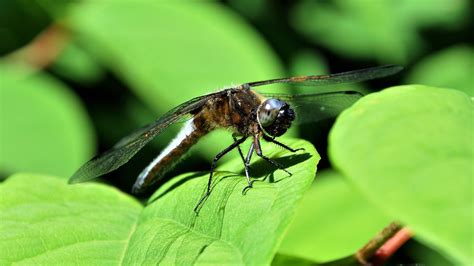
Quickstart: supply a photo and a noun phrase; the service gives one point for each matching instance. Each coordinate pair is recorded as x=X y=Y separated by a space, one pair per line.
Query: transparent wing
x=127 y=147
x=317 y=106
x=338 y=78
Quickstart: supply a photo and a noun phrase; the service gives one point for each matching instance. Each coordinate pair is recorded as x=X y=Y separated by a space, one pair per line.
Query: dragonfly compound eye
x=275 y=117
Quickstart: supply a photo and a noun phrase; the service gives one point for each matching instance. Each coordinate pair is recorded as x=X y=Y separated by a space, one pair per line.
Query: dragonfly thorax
x=275 y=117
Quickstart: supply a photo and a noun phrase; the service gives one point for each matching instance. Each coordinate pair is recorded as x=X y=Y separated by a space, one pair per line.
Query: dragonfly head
x=275 y=117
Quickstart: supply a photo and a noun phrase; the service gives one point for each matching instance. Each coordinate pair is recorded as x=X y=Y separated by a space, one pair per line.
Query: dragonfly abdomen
x=169 y=157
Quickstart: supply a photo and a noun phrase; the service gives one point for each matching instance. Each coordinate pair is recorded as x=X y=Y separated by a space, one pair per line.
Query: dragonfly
x=243 y=111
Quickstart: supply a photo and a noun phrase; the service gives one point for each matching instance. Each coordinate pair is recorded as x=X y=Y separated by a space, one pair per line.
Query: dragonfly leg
x=246 y=165
x=238 y=148
x=258 y=150
x=272 y=140
x=213 y=166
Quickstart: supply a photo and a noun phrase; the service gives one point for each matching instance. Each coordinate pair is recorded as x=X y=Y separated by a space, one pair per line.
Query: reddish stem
x=391 y=246
x=380 y=248
x=44 y=49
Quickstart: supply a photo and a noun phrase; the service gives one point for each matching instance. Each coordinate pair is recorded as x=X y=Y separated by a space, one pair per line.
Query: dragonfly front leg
x=258 y=150
x=213 y=166
x=272 y=140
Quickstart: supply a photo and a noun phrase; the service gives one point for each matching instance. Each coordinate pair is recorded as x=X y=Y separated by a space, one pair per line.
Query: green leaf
x=45 y=221
x=44 y=127
x=327 y=206
x=283 y=259
x=171 y=52
x=76 y=64
x=385 y=30
x=449 y=68
x=409 y=149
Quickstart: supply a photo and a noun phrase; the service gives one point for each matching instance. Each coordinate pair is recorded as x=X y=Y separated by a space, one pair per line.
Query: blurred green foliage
x=109 y=67
x=20 y=22
x=453 y=67
x=388 y=31
x=43 y=123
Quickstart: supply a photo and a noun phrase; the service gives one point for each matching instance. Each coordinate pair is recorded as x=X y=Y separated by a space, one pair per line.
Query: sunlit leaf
x=329 y=205
x=46 y=221
x=409 y=149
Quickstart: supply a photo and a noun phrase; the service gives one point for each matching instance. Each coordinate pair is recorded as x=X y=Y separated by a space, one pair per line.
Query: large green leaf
x=384 y=30
x=45 y=221
x=327 y=206
x=171 y=52
x=43 y=127
x=410 y=150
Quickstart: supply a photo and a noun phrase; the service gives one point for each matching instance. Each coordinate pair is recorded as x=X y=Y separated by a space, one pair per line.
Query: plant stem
x=383 y=245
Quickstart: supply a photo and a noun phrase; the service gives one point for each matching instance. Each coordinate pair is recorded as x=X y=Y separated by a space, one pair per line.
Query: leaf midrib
x=127 y=240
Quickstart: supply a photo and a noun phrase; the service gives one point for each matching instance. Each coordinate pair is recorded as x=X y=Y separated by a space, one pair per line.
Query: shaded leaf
x=20 y=22
x=451 y=68
x=76 y=64
x=44 y=127
x=384 y=30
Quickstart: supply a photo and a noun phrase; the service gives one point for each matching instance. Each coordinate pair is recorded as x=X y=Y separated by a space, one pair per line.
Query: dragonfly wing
x=338 y=78
x=317 y=106
x=127 y=147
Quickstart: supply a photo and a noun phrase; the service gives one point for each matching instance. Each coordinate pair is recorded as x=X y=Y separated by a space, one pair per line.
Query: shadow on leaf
x=258 y=170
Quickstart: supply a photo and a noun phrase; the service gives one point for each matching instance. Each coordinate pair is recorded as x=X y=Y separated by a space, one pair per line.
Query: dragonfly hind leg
x=213 y=166
x=246 y=167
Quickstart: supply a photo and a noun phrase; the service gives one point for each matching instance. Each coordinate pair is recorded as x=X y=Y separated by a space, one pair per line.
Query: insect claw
x=249 y=186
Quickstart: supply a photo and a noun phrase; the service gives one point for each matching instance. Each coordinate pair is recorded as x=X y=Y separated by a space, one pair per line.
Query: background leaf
x=49 y=221
x=171 y=52
x=409 y=149
x=44 y=127
x=76 y=64
x=384 y=30
x=450 y=68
